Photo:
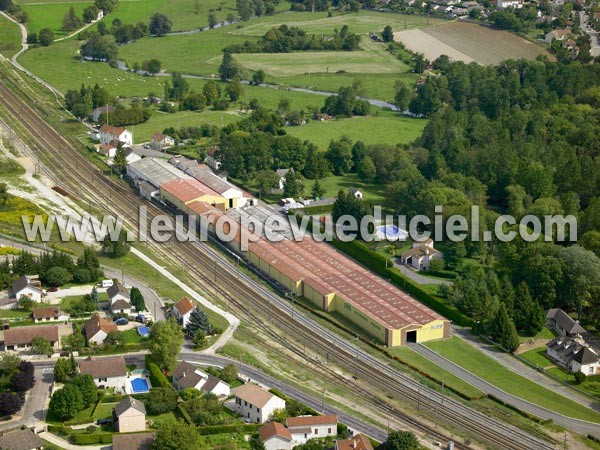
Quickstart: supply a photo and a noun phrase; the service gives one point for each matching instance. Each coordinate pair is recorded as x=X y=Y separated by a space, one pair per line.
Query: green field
x=546 y=333
x=318 y=22
x=468 y=357
x=10 y=37
x=371 y=130
x=50 y=15
x=537 y=357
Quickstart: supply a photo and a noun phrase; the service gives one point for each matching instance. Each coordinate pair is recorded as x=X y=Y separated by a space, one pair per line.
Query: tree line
x=286 y=39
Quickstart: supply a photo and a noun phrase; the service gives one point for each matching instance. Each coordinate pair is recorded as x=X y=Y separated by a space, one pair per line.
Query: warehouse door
x=411 y=336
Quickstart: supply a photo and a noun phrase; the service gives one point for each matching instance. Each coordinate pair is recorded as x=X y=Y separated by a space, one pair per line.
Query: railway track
x=78 y=176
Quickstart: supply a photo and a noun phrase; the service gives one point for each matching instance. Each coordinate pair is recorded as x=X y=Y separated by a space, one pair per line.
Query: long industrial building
x=305 y=268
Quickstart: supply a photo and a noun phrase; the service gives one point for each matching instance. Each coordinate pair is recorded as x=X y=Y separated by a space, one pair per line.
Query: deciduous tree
x=165 y=342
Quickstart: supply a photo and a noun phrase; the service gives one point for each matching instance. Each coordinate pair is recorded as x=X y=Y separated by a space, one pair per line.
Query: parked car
x=121 y=321
x=53 y=289
x=103 y=421
x=140 y=318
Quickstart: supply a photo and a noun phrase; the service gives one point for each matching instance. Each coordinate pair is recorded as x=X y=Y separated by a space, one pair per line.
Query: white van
x=107 y=283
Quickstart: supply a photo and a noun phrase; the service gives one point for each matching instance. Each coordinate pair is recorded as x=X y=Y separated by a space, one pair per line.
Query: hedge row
x=91 y=439
x=184 y=414
x=98 y=403
x=223 y=429
x=377 y=263
x=157 y=378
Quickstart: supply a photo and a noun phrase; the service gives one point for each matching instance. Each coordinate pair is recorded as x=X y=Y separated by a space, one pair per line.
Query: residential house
x=275 y=436
x=97 y=329
x=255 y=403
x=182 y=310
x=129 y=416
x=574 y=355
x=103 y=111
x=559 y=35
x=161 y=141
x=355 y=193
x=281 y=173
x=109 y=150
x=108 y=372
x=562 y=323
x=25 y=439
x=304 y=428
x=27 y=286
x=420 y=255
x=503 y=4
x=186 y=376
x=19 y=339
x=49 y=314
x=108 y=133
x=211 y=158
x=137 y=441
x=119 y=299
x=357 y=442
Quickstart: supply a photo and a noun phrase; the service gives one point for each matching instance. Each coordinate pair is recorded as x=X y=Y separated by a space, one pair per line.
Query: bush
x=233 y=429
x=82 y=276
x=184 y=414
x=91 y=439
x=157 y=378
x=579 y=377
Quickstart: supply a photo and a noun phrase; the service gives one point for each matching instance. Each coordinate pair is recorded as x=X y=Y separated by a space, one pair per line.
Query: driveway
x=417 y=277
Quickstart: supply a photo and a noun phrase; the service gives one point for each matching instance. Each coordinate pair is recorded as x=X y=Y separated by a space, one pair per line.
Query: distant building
x=131 y=156
x=27 y=286
x=19 y=339
x=49 y=314
x=186 y=376
x=255 y=403
x=108 y=133
x=161 y=141
x=25 y=439
x=211 y=158
x=97 y=329
x=574 y=355
x=304 y=428
x=358 y=442
x=129 y=416
x=281 y=173
x=275 y=436
x=503 y=4
x=559 y=35
x=562 y=323
x=109 y=150
x=420 y=255
x=108 y=372
x=103 y=111
x=355 y=193
x=153 y=172
x=182 y=310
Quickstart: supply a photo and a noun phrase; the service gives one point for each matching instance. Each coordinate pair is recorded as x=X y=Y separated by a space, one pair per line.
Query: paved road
x=512 y=363
x=576 y=425
x=417 y=277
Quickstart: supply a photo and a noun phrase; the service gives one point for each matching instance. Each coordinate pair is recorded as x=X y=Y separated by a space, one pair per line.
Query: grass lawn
x=537 y=357
x=132 y=337
x=10 y=37
x=162 y=419
x=495 y=373
x=546 y=333
x=50 y=15
x=413 y=359
x=383 y=129
x=333 y=184
x=66 y=302
x=15 y=314
x=104 y=411
x=228 y=440
x=318 y=22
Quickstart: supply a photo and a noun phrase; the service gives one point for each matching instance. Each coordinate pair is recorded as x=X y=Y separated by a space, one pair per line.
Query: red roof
x=184 y=306
x=187 y=190
x=116 y=131
x=273 y=429
x=309 y=421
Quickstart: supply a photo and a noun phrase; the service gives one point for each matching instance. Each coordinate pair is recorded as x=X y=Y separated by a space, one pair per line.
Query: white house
x=420 y=255
x=118 y=298
x=129 y=416
x=97 y=329
x=27 y=286
x=503 y=4
x=275 y=436
x=356 y=193
x=562 y=323
x=574 y=355
x=109 y=150
x=211 y=159
x=182 y=310
x=304 y=428
x=559 y=35
x=108 y=372
x=49 y=314
x=20 y=338
x=161 y=141
x=108 y=133
x=186 y=376
x=255 y=403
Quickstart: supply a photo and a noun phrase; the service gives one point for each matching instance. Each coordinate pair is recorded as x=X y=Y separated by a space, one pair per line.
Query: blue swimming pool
x=143 y=331
x=391 y=233
x=139 y=385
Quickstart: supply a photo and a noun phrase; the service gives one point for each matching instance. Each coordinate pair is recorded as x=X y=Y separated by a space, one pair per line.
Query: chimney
x=183 y=375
